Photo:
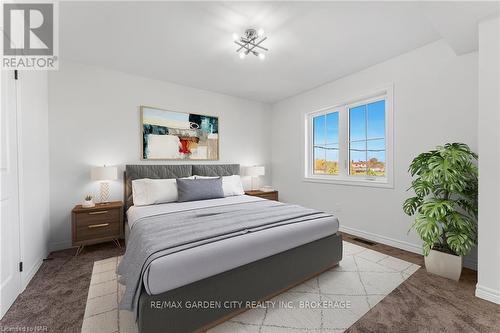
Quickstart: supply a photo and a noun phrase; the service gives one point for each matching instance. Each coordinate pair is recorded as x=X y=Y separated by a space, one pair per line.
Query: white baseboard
x=383 y=239
x=488 y=294
x=26 y=278
x=410 y=247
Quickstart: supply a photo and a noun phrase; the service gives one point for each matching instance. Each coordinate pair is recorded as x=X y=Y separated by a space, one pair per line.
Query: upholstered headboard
x=165 y=171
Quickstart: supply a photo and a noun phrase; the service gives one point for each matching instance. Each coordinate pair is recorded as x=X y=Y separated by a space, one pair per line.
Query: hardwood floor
x=56 y=297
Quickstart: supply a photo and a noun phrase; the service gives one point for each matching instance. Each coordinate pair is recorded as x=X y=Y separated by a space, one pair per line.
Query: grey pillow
x=199 y=189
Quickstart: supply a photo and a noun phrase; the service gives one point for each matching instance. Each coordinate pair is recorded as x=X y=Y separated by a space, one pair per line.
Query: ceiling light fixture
x=251 y=43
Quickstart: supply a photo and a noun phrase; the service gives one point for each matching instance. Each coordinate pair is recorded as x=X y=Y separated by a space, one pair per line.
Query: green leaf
x=459 y=242
x=428 y=229
x=411 y=205
x=419 y=163
x=437 y=208
x=421 y=187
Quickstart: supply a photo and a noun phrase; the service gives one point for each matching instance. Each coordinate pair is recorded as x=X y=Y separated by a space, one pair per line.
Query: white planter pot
x=444 y=264
x=88 y=204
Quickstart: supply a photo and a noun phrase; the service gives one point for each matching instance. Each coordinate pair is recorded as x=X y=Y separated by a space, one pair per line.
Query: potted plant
x=445 y=206
x=88 y=202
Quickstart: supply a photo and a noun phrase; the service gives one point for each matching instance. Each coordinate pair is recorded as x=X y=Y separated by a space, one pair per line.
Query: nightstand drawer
x=97 y=230
x=97 y=217
x=270 y=196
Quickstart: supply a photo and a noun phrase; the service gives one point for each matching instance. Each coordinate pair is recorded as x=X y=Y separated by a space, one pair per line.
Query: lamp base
x=104 y=196
x=255 y=183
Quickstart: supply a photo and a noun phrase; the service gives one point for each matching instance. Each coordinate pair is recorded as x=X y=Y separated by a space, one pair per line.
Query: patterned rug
x=331 y=302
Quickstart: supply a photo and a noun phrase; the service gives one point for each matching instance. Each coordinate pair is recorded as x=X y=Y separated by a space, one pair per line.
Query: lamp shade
x=104 y=173
x=255 y=171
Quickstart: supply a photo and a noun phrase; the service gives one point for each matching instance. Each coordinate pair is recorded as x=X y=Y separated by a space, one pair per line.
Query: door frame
x=5 y=78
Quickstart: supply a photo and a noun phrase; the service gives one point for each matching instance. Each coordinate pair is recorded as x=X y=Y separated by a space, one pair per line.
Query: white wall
x=33 y=149
x=435 y=101
x=94 y=120
x=488 y=286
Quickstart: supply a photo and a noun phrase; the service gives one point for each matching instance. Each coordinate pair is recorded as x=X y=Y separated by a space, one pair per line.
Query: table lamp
x=104 y=174
x=255 y=172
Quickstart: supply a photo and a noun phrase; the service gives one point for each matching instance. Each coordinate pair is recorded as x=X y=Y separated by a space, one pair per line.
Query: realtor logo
x=29 y=36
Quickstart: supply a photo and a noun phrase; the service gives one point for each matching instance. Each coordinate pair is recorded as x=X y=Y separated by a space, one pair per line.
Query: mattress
x=193 y=264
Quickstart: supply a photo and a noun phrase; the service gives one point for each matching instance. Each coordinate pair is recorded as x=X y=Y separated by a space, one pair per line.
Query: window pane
x=325 y=141
x=319 y=130
x=376 y=120
x=376 y=158
x=357 y=123
x=332 y=159
x=332 y=127
x=367 y=139
x=319 y=160
x=357 y=158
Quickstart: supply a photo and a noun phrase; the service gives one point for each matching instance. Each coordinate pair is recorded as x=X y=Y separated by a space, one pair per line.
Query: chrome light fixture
x=251 y=43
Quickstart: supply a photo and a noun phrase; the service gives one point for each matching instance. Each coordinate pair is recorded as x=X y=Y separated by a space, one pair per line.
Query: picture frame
x=178 y=136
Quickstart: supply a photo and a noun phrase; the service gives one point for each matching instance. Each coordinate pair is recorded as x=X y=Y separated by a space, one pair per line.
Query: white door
x=10 y=276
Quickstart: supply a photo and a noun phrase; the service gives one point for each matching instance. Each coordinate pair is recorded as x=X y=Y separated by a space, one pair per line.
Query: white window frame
x=343 y=178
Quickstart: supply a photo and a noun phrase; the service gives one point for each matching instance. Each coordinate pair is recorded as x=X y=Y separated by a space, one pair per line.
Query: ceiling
x=190 y=43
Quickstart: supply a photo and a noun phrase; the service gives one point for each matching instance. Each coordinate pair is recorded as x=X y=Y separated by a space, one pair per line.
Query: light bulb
x=262 y=56
x=260 y=32
x=235 y=37
x=242 y=55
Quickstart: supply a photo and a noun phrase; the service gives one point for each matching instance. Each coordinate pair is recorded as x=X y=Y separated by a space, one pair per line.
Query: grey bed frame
x=256 y=281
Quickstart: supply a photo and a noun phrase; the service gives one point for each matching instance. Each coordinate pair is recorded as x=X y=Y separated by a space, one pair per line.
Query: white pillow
x=231 y=185
x=154 y=191
x=139 y=192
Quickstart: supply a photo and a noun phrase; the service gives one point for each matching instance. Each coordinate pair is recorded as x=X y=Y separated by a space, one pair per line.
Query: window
x=351 y=143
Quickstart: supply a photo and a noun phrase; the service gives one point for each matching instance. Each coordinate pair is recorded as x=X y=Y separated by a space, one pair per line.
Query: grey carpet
x=57 y=294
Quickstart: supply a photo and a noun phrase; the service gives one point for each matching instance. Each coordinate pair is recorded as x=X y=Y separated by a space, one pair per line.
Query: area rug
x=331 y=302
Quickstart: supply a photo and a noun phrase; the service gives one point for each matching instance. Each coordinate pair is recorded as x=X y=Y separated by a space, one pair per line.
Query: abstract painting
x=170 y=135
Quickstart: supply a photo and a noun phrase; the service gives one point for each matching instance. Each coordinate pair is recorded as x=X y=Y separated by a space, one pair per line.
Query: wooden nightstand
x=98 y=224
x=272 y=195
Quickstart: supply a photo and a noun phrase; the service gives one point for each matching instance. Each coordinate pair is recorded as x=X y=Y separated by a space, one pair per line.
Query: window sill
x=380 y=183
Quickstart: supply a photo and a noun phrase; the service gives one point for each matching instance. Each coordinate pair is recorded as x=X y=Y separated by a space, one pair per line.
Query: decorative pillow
x=231 y=185
x=199 y=189
x=148 y=191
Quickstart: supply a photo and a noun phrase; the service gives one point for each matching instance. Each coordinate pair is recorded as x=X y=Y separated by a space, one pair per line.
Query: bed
x=193 y=287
